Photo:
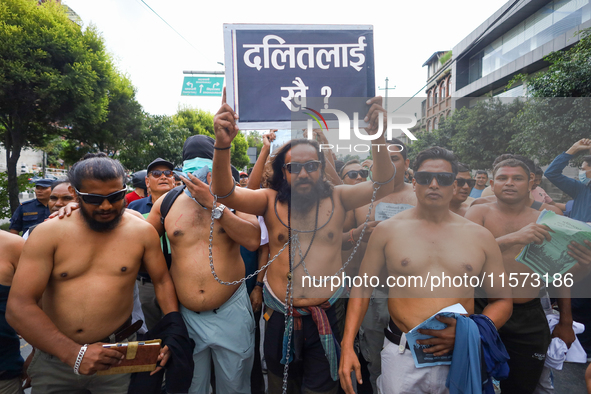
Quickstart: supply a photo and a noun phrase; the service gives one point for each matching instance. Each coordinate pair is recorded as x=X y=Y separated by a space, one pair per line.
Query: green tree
x=254 y=139
x=557 y=113
x=51 y=73
x=440 y=137
x=123 y=121
x=201 y=122
x=23 y=184
x=549 y=126
x=483 y=132
x=569 y=74
x=161 y=137
x=53 y=150
x=477 y=135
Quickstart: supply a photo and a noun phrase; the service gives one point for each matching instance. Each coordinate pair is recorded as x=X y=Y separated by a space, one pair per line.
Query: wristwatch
x=218 y=211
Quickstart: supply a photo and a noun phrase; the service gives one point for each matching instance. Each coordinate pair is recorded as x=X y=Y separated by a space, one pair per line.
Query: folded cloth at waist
x=123 y=332
x=394 y=334
x=331 y=347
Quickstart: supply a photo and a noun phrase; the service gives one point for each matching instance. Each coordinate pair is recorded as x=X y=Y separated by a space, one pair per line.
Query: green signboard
x=202 y=86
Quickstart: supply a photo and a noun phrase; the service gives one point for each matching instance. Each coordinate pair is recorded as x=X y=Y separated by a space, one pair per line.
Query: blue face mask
x=190 y=166
x=583 y=177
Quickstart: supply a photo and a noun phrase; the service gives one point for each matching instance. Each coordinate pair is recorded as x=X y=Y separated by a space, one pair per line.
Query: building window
x=443 y=91
x=435 y=124
x=435 y=96
x=448 y=83
x=553 y=19
x=428 y=126
x=429 y=100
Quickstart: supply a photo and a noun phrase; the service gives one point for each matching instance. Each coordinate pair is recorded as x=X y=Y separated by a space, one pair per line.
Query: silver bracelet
x=79 y=359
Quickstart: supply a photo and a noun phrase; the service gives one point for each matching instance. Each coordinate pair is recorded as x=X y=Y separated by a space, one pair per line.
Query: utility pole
x=386 y=89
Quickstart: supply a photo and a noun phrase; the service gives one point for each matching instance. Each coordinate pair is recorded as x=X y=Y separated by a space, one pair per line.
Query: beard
x=98 y=226
x=304 y=202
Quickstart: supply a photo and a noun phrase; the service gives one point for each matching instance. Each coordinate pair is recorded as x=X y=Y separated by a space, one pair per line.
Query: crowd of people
x=218 y=264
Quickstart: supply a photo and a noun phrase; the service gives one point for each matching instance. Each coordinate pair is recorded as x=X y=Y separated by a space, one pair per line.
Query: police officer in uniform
x=33 y=211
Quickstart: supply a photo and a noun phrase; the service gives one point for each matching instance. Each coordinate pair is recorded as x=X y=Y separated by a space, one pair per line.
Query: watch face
x=217 y=213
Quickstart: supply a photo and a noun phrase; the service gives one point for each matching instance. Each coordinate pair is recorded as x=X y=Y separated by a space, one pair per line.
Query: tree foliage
x=549 y=126
x=477 y=135
x=52 y=73
x=23 y=184
x=569 y=74
x=201 y=122
x=122 y=123
x=161 y=137
x=254 y=139
x=558 y=111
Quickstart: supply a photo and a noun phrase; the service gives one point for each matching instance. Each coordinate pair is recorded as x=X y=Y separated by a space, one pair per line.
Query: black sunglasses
x=296 y=168
x=97 y=199
x=443 y=178
x=353 y=174
x=158 y=173
x=462 y=182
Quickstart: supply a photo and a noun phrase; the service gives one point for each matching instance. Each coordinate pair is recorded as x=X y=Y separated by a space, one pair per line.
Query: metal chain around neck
x=288 y=322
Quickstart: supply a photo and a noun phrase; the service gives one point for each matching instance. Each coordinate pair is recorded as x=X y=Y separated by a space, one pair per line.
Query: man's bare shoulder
x=471 y=229
x=11 y=248
x=481 y=210
x=137 y=223
x=9 y=240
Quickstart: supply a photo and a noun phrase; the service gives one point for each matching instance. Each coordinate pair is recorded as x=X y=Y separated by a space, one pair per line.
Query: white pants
x=400 y=376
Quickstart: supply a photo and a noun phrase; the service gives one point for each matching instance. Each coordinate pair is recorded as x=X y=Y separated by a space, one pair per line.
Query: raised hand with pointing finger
x=224 y=125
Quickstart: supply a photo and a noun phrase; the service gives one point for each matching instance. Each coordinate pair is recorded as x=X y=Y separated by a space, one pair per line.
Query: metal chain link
x=288 y=317
x=288 y=321
x=376 y=186
x=215 y=275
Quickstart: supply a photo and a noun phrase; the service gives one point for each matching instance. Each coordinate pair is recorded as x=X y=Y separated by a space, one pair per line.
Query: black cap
x=198 y=146
x=160 y=162
x=202 y=146
x=138 y=179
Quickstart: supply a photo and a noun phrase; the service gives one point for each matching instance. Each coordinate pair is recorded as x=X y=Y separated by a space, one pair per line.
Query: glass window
x=549 y=22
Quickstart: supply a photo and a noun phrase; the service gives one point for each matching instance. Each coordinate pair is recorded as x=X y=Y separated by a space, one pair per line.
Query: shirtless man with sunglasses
x=421 y=241
x=371 y=334
x=81 y=271
x=461 y=200
x=299 y=186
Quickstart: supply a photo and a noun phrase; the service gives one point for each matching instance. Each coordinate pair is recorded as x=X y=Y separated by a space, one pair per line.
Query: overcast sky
x=406 y=33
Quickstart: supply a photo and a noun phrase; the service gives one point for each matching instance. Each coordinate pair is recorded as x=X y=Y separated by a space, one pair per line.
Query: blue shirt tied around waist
x=493 y=350
x=331 y=347
x=464 y=373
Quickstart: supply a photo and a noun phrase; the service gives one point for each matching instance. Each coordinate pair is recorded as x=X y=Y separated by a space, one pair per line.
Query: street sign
x=202 y=86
